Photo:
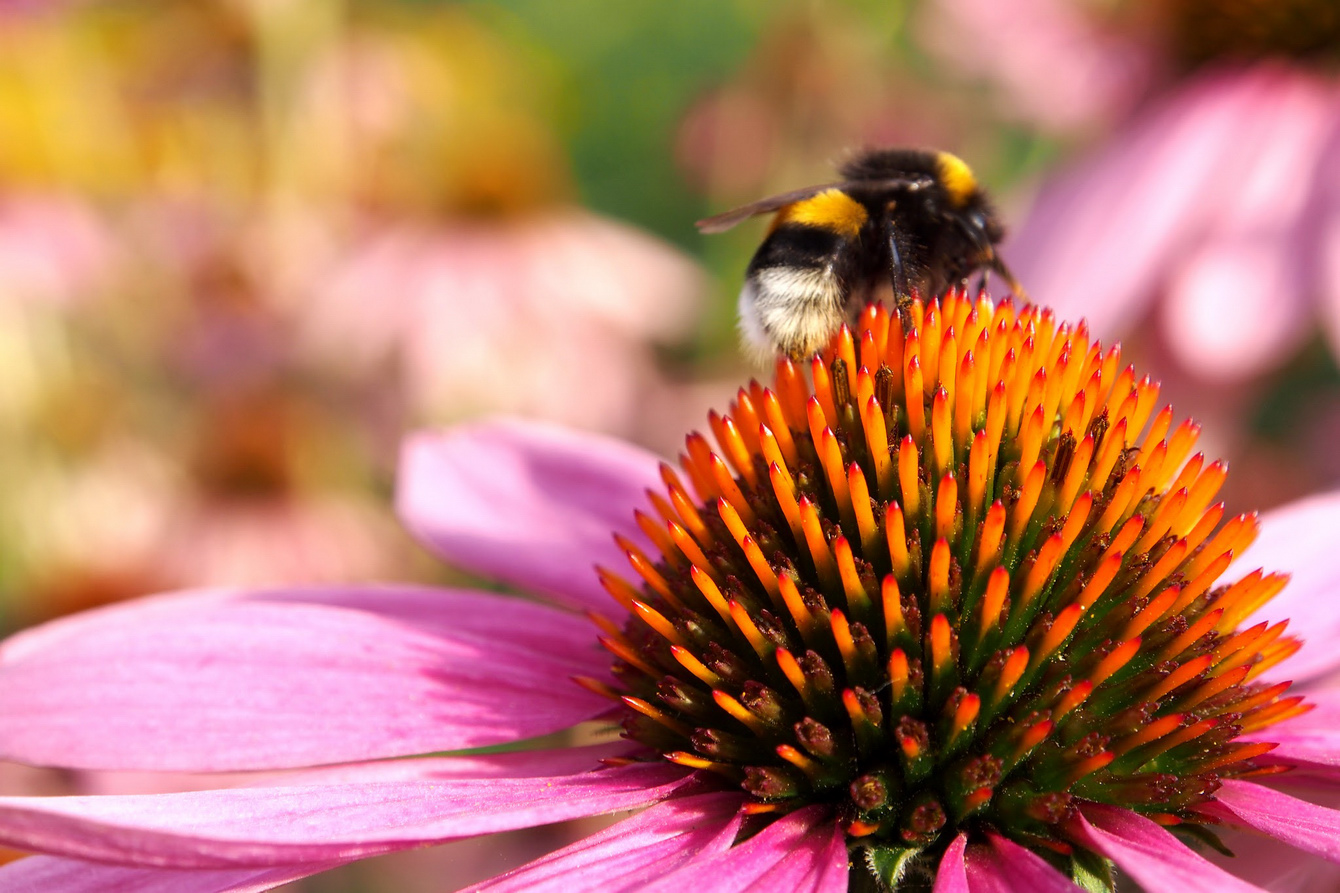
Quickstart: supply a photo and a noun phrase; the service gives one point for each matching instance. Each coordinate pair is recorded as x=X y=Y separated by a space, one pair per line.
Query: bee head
x=982 y=220
x=967 y=199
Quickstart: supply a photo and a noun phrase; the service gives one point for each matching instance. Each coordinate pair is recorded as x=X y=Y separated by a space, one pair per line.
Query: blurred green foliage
x=628 y=73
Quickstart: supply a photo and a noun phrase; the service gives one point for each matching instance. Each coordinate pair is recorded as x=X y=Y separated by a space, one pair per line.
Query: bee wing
x=722 y=222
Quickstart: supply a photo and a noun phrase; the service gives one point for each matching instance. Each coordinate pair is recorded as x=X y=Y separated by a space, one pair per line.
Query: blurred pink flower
x=1221 y=201
x=234 y=680
x=1055 y=62
x=53 y=249
x=178 y=447
x=248 y=515
x=317 y=538
x=551 y=314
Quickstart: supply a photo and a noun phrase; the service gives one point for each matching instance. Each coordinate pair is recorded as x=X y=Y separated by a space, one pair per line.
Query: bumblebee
x=911 y=221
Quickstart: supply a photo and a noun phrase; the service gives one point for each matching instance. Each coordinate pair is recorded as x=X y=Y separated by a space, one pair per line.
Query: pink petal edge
x=504 y=764
x=528 y=504
x=952 y=875
x=803 y=851
x=1246 y=289
x=1152 y=856
x=297 y=677
x=1002 y=866
x=636 y=851
x=50 y=874
x=1298 y=539
x=1310 y=742
x=1311 y=828
x=321 y=822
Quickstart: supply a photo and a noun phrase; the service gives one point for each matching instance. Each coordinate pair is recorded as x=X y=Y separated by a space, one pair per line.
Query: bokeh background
x=246 y=244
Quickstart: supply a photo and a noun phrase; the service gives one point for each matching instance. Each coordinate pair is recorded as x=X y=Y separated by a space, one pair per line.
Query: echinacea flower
x=1055 y=63
x=945 y=614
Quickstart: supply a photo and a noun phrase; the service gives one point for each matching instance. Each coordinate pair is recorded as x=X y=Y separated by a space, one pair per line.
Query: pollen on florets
x=943 y=583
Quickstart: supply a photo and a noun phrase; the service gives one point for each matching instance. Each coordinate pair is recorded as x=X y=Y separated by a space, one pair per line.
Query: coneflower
x=945 y=608
x=950 y=589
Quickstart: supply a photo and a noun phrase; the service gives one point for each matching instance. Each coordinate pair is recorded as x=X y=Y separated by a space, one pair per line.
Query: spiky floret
x=950 y=587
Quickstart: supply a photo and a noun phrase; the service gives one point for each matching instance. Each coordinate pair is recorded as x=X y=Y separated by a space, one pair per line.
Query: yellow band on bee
x=956 y=177
x=831 y=209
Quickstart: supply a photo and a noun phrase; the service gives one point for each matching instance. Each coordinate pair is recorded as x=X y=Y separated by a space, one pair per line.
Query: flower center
x=248 y=454
x=950 y=588
x=1243 y=30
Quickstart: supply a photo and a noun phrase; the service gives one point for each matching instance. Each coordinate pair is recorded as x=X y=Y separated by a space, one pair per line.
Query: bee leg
x=984 y=280
x=902 y=290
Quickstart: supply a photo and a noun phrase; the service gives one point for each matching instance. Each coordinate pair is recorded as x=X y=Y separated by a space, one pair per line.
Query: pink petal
x=1310 y=741
x=1326 y=223
x=1237 y=304
x=952 y=875
x=1005 y=867
x=296 y=822
x=1299 y=539
x=1242 y=297
x=527 y=504
x=291 y=678
x=1153 y=857
x=803 y=851
x=48 y=874
x=1311 y=828
x=1272 y=862
x=506 y=764
x=1100 y=237
x=1263 y=860
x=634 y=852
x=830 y=872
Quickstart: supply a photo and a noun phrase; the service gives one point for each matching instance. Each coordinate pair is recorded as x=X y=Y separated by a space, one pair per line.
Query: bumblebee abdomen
x=800 y=246
x=797 y=285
